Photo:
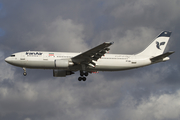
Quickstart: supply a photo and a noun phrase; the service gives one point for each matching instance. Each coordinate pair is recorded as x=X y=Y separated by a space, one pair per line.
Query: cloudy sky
x=149 y=93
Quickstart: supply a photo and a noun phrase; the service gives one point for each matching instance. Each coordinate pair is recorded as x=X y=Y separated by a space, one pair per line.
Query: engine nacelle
x=61 y=73
x=62 y=63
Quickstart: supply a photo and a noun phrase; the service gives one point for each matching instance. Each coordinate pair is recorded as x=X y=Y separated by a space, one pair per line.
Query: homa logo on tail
x=159 y=44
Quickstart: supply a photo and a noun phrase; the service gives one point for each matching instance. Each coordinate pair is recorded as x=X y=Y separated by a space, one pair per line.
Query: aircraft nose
x=7 y=59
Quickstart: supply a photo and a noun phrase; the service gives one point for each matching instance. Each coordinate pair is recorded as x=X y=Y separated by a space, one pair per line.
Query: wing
x=92 y=54
x=161 y=57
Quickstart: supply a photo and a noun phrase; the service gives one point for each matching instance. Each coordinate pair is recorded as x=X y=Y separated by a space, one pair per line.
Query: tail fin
x=158 y=46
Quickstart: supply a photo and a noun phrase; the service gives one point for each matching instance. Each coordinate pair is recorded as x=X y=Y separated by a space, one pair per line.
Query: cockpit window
x=12 y=55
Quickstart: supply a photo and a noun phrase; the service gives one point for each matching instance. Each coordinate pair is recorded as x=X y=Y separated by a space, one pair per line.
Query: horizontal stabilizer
x=161 y=57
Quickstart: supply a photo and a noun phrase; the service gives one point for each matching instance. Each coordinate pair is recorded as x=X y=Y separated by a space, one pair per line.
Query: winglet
x=110 y=43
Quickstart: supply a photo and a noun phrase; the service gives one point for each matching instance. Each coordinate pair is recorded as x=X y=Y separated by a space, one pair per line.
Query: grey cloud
x=67 y=36
x=156 y=107
x=139 y=38
x=157 y=14
x=74 y=100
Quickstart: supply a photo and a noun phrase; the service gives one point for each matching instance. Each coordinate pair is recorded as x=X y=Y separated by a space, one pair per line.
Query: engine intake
x=62 y=64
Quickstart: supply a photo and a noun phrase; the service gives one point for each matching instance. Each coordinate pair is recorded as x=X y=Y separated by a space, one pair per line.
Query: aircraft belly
x=118 y=65
x=112 y=65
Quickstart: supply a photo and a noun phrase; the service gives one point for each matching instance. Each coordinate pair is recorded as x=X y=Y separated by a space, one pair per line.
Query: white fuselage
x=46 y=60
x=92 y=60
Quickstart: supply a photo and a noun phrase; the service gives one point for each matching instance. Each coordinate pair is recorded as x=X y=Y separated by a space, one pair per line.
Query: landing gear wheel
x=79 y=78
x=84 y=79
x=24 y=73
x=86 y=73
x=83 y=74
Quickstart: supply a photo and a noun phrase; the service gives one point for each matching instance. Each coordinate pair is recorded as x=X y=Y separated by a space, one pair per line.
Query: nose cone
x=10 y=60
x=7 y=59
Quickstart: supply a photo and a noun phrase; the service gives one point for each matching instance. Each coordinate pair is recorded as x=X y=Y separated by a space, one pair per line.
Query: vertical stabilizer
x=158 y=46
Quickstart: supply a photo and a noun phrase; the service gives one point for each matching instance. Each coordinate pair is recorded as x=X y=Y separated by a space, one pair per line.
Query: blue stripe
x=165 y=34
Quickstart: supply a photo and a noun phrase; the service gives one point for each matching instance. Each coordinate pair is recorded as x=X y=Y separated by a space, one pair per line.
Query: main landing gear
x=24 y=73
x=82 y=74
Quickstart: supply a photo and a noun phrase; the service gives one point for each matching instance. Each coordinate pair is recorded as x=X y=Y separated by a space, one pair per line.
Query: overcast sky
x=149 y=93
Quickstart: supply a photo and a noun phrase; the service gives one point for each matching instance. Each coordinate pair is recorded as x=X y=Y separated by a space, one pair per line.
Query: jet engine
x=63 y=63
x=61 y=73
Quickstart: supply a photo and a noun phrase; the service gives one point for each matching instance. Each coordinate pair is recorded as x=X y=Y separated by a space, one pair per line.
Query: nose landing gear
x=24 y=73
x=83 y=74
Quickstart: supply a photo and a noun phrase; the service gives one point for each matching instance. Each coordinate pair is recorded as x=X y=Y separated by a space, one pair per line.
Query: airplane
x=92 y=60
